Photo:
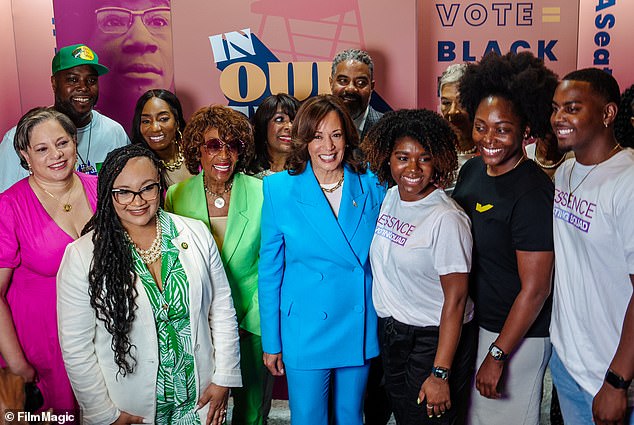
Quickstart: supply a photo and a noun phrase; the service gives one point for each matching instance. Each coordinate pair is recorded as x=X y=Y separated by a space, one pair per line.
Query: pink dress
x=33 y=245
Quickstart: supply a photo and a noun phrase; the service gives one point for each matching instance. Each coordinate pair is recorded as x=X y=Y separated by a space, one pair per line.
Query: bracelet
x=616 y=380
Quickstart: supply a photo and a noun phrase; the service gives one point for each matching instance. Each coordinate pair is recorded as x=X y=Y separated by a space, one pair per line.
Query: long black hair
x=175 y=108
x=111 y=278
x=265 y=112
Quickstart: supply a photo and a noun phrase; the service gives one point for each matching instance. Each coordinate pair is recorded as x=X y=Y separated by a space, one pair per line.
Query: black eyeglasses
x=213 y=146
x=126 y=197
x=118 y=20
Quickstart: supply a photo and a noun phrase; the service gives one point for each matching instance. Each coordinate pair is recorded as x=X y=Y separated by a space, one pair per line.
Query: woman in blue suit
x=319 y=326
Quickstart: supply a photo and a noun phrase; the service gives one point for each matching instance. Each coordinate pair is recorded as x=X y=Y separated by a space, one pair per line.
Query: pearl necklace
x=153 y=253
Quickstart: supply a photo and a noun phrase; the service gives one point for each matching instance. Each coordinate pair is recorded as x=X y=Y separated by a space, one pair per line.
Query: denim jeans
x=575 y=402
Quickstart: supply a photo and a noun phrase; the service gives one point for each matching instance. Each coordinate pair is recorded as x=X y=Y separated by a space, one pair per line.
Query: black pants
x=408 y=354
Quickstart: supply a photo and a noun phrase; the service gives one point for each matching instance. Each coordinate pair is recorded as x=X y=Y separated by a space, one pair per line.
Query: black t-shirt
x=510 y=212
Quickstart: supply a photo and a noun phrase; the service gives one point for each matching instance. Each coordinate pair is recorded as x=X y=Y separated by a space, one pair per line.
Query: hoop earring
x=180 y=135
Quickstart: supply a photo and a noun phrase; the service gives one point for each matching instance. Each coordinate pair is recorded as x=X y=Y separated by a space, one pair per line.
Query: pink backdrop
x=462 y=31
x=605 y=36
x=402 y=36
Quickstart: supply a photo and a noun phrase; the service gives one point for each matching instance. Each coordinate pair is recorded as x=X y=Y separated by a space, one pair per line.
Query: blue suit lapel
x=317 y=210
x=353 y=201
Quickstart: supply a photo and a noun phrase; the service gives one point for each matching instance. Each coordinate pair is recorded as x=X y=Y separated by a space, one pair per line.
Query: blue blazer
x=315 y=284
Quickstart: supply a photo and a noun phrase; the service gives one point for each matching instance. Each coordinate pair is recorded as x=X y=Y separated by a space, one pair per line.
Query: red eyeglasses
x=214 y=146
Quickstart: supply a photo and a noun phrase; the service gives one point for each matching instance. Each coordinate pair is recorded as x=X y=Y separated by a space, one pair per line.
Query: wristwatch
x=440 y=372
x=497 y=353
x=616 y=381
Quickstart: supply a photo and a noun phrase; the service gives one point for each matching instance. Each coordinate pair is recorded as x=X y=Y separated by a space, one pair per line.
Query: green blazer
x=240 y=250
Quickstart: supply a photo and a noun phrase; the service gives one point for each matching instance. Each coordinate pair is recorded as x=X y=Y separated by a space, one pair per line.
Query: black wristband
x=616 y=381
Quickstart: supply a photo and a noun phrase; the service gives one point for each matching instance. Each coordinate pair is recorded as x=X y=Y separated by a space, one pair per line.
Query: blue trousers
x=308 y=394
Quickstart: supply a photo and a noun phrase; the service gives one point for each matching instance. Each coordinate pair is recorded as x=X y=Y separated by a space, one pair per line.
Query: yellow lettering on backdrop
x=278 y=79
x=256 y=82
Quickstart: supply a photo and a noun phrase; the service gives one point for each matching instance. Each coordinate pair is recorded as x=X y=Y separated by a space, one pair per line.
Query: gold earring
x=180 y=135
x=30 y=169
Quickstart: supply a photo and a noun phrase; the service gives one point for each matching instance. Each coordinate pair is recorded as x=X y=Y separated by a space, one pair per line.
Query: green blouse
x=176 y=382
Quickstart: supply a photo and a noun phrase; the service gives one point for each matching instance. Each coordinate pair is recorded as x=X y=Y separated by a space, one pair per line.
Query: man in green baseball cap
x=75 y=82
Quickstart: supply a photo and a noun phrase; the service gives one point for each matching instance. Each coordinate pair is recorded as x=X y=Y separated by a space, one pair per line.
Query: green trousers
x=252 y=402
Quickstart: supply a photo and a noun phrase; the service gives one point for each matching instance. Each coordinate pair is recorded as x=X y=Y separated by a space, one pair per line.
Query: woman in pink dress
x=40 y=215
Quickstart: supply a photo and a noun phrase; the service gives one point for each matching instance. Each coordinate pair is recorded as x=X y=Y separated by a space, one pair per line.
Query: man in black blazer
x=352 y=79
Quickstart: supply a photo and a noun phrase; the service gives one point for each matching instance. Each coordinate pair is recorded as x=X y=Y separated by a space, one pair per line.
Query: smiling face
x=76 y=91
x=353 y=83
x=141 y=57
x=328 y=146
x=577 y=117
x=218 y=164
x=498 y=134
x=158 y=125
x=278 y=134
x=51 y=153
x=138 y=173
x=412 y=169
x=453 y=112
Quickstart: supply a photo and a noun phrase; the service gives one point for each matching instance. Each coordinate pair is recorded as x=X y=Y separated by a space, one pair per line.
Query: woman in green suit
x=218 y=143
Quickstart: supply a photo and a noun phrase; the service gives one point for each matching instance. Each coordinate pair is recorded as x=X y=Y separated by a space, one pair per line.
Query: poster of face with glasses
x=133 y=38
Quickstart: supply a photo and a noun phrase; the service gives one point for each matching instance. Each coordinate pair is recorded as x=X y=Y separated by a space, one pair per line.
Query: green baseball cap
x=76 y=55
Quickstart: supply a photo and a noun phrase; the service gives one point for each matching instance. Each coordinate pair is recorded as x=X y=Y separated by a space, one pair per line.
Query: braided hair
x=111 y=279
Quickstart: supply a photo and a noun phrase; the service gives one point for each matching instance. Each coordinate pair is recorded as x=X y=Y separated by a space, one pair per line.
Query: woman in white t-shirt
x=421 y=257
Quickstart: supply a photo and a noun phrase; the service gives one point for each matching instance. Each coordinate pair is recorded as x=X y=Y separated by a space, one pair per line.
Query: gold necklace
x=150 y=255
x=175 y=164
x=514 y=167
x=219 y=201
x=335 y=187
x=466 y=152
x=67 y=207
x=570 y=190
x=549 y=167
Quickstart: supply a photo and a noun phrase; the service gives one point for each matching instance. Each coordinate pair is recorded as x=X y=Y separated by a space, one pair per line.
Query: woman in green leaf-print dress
x=147 y=325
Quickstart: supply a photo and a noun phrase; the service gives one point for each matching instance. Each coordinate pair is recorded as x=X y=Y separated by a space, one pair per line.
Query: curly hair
x=111 y=279
x=260 y=120
x=426 y=127
x=308 y=118
x=30 y=120
x=520 y=78
x=165 y=95
x=230 y=124
x=623 y=128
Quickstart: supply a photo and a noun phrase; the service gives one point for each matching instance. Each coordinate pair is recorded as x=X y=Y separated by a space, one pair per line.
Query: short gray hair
x=452 y=74
x=355 y=55
x=34 y=117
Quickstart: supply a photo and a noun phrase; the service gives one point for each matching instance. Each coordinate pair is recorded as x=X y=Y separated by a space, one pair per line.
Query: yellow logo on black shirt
x=483 y=208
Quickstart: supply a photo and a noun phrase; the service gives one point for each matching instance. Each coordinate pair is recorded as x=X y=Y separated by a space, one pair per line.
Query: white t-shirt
x=94 y=142
x=594 y=258
x=414 y=244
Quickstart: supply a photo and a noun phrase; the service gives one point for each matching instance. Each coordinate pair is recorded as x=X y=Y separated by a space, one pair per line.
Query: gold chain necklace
x=219 y=201
x=335 y=187
x=570 y=190
x=153 y=253
x=67 y=207
x=549 y=167
x=176 y=164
